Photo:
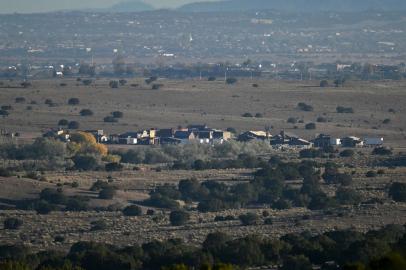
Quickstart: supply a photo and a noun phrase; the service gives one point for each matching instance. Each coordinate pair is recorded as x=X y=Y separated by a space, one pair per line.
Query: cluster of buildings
x=193 y=133
x=170 y=37
x=323 y=140
x=205 y=135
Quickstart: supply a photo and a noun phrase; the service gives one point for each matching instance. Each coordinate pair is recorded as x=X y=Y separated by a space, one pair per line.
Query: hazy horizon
x=30 y=6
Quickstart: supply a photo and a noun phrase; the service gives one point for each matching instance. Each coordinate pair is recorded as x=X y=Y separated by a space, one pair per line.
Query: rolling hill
x=131 y=6
x=296 y=5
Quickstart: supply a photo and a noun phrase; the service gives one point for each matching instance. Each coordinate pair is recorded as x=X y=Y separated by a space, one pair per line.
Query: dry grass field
x=219 y=106
x=214 y=103
x=39 y=231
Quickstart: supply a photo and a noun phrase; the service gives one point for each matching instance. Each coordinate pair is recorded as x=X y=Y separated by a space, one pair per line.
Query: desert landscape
x=186 y=135
x=181 y=103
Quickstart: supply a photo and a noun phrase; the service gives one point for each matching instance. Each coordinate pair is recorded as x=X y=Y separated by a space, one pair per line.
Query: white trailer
x=373 y=141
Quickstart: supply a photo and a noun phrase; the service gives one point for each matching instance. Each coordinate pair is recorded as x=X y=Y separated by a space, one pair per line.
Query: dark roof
x=129 y=135
x=182 y=134
x=298 y=141
x=218 y=134
x=197 y=127
x=167 y=132
x=204 y=135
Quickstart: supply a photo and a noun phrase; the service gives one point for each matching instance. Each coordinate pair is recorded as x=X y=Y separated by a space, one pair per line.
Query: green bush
x=310 y=126
x=53 y=196
x=113 y=167
x=397 y=192
x=4 y=172
x=73 y=101
x=4 y=113
x=292 y=120
x=382 y=151
x=299 y=262
x=107 y=193
x=332 y=176
x=341 y=109
x=19 y=100
x=110 y=119
x=6 y=107
x=231 y=81
x=44 y=208
x=178 y=218
x=117 y=114
x=347 y=196
x=86 y=112
x=347 y=153
x=98 y=225
x=59 y=239
x=162 y=201
x=63 y=122
x=132 y=211
x=268 y=221
x=386 y=121
x=281 y=204
x=371 y=174
x=76 y=205
x=99 y=185
x=73 y=125
x=85 y=162
x=12 y=223
x=75 y=184
x=48 y=101
x=249 y=219
x=305 y=107
x=310 y=153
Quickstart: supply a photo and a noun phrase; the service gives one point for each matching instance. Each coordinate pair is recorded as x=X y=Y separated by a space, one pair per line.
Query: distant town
x=172 y=44
x=203 y=134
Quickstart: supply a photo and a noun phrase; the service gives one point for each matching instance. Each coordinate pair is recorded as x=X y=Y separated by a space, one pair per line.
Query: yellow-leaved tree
x=85 y=143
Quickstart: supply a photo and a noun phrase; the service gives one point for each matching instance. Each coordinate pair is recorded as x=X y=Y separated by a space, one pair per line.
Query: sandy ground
x=180 y=103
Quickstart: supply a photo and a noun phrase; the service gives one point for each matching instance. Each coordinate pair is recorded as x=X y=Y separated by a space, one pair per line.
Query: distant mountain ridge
x=296 y=5
x=131 y=6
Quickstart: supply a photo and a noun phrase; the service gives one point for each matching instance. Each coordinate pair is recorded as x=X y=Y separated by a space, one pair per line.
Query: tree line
x=340 y=249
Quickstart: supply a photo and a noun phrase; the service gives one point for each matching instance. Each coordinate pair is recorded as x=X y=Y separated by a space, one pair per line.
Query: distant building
x=99 y=135
x=352 y=141
x=373 y=141
x=204 y=137
x=203 y=127
x=165 y=133
x=323 y=140
x=114 y=138
x=220 y=136
x=254 y=135
x=185 y=136
x=128 y=138
x=290 y=140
